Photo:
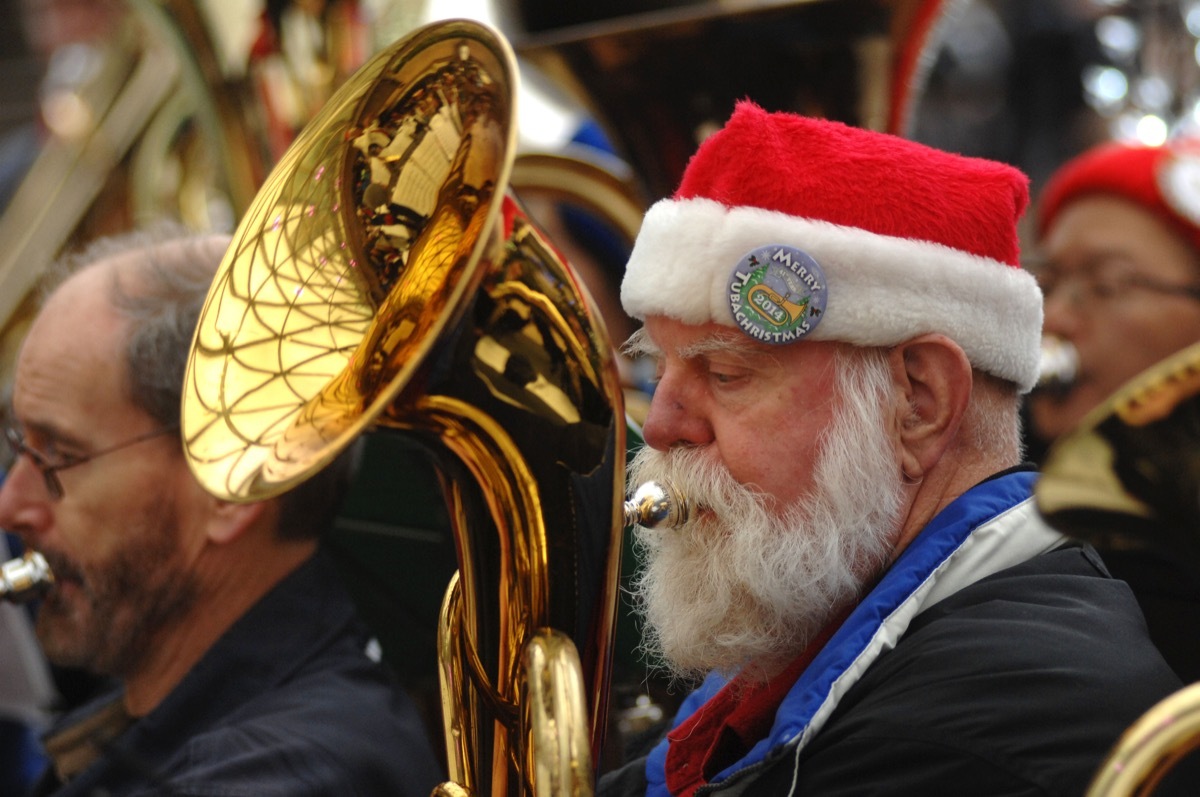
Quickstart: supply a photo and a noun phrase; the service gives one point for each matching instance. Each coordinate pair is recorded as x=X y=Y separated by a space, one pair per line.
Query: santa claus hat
x=1164 y=180
x=888 y=239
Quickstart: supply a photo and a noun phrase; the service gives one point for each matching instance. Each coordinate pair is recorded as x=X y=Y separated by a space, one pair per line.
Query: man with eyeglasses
x=1118 y=261
x=1118 y=231
x=240 y=661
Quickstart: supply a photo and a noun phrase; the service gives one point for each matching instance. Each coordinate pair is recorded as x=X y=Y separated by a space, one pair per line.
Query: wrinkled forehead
x=664 y=336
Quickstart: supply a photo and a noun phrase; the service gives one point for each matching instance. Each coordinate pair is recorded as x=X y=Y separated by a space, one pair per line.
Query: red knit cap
x=876 y=238
x=1164 y=180
x=846 y=175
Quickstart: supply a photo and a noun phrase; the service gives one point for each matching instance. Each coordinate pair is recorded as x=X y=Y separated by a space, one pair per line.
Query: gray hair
x=991 y=425
x=161 y=290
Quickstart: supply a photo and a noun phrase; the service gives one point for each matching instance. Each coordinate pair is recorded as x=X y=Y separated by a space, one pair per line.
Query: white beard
x=748 y=586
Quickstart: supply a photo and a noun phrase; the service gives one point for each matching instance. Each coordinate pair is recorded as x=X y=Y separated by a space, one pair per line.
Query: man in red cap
x=843 y=334
x=1118 y=229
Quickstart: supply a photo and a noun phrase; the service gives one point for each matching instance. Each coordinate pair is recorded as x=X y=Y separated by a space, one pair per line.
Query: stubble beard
x=746 y=585
x=121 y=605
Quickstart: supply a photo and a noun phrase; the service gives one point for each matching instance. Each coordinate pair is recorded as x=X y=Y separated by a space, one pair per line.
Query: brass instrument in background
x=1151 y=748
x=385 y=277
x=153 y=132
x=179 y=119
x=1128 y=480
x=659 y=75
x=1131 y=470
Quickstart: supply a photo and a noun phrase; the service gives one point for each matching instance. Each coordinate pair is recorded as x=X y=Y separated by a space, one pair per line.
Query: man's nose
x=1060 y=309
x=24 y=504
x=674 y=418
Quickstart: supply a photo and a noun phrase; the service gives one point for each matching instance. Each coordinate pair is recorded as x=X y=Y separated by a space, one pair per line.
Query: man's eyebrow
x=50 y=433
x=719 y=344
x=640 y=343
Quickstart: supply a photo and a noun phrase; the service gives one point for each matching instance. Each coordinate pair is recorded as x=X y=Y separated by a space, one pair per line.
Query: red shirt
x=736 y=718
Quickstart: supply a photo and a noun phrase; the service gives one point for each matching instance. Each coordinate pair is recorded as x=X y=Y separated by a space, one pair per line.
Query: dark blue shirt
x=285 y=703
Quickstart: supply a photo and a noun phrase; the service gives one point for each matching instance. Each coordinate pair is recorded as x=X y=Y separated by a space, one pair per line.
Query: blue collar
x=817 y=685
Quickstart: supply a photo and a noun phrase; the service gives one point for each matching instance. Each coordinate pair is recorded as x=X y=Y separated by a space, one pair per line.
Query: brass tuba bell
x=385 y=276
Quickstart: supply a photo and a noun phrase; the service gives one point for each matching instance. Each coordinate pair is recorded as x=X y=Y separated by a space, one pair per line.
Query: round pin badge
x=777 y=294
x=1179 y=181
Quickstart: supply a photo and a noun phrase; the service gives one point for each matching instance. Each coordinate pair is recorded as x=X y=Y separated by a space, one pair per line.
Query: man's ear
x=935 y=379
x=228 y=521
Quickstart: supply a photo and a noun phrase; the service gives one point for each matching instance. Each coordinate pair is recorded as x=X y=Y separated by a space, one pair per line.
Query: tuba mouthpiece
x=1058 y=366
x=654 y=504
x=25 y=578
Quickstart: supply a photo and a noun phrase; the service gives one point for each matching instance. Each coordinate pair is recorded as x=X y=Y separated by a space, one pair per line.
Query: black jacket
x=1018 y=684
x=285 y=703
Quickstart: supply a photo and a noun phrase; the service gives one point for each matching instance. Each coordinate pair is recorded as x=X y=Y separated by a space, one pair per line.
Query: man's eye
x=53 y=452
x=725 y=377
x=1049 y=279
x=65 y=460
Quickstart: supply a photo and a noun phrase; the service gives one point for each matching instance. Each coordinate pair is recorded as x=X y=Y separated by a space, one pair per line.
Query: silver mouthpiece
x=654 y=504
x=1058 y=366
x=25 y=578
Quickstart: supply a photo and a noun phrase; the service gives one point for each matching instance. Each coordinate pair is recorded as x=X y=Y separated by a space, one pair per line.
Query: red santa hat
x=1164 y=180
x=858 y=236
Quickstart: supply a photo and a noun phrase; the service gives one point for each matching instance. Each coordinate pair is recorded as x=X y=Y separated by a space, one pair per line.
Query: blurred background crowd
x=1028 y=82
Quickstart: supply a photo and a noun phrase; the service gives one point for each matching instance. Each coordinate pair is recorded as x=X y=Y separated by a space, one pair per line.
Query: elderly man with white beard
x=844 y=334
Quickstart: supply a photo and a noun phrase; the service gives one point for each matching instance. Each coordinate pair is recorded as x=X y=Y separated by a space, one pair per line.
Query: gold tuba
x=1152 y=747
x=385 y=277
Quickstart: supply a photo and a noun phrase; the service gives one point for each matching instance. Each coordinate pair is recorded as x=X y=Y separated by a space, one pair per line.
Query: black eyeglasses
x=50 y=470
x=1085 y=288
x=1098 y=282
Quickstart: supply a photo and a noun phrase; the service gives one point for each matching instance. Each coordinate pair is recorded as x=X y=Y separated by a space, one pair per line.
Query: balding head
x=156 y=283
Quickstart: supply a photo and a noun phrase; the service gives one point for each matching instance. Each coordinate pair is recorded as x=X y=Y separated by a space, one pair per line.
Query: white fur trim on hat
x=881 y=290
